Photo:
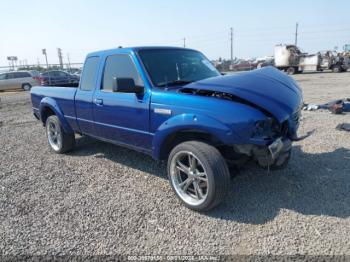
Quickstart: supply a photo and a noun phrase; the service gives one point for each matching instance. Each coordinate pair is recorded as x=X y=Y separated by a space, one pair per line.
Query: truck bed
x=63 y=96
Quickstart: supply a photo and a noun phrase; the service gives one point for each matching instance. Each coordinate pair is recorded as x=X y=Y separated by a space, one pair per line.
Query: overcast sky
x=79 y=27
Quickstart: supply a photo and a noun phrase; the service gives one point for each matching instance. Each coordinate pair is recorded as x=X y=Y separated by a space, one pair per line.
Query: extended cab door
x=84 y=96
x=122 y=117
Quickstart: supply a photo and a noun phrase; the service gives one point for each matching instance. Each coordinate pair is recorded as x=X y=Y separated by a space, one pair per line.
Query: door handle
x=98 y=102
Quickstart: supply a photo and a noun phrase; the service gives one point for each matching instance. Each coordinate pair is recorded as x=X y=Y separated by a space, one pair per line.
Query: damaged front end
x=277 y=96
x=270 y=142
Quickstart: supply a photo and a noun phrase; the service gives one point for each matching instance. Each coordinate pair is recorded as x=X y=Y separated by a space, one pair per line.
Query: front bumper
x=275 y=154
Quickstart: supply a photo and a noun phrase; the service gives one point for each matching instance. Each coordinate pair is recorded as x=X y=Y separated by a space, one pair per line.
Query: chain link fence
x=68 y=67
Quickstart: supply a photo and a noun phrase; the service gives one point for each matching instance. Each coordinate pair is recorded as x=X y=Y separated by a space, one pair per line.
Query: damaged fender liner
x=296 y=139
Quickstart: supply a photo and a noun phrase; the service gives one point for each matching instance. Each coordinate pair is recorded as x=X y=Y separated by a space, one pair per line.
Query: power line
x=326 y=31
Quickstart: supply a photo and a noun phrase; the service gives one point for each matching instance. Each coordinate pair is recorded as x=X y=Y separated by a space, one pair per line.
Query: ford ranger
x=172 y=103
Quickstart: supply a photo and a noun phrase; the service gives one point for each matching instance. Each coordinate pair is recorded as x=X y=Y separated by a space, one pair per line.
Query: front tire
x=59 y=141
x=198 y=175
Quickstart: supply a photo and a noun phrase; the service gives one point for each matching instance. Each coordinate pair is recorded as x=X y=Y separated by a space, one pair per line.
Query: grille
x=296 y=117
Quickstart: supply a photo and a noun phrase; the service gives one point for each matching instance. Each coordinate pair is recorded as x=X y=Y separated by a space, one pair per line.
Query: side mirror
x=126 y=85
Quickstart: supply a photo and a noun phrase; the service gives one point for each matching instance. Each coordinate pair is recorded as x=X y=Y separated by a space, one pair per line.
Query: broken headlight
x=266 y=129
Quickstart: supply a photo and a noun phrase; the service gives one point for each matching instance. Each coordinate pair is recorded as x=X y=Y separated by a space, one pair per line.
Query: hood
x=268 y=88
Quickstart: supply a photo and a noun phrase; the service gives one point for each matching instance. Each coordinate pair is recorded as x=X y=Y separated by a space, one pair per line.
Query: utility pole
x=184 y=42
x=68 y=61
x=231 y=47
x=45 y=54
x=296 y=34
x=59 y=52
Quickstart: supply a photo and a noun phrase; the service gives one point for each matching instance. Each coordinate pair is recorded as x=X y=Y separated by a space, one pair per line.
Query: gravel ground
x=104 y=199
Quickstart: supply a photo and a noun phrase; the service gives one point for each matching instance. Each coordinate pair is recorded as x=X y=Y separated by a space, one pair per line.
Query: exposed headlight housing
x=266 y=129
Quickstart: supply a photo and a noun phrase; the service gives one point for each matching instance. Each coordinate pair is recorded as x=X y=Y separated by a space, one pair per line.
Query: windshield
x=168 y=67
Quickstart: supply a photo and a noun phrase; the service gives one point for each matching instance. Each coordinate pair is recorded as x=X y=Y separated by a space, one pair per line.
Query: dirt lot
x=103 y=199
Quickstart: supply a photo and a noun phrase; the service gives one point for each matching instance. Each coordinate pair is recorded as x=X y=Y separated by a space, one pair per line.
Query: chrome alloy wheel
x=189 y=178
x=54 y=135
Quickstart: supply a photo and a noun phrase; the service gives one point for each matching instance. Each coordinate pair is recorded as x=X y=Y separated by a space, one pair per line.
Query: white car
x=18 y=80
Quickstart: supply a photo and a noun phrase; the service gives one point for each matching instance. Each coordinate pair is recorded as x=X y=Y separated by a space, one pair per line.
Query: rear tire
x=198 y=175
x=59 y=141
x=26 y=87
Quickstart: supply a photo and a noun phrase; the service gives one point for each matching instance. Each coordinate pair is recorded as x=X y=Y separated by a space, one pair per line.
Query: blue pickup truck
x=172 y=104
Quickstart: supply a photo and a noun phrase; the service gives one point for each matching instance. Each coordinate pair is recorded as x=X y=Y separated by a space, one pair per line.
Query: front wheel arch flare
x=191 y=123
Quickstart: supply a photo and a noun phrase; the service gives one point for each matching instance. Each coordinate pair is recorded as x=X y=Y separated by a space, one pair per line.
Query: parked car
x=18 y=80
x=172 y=103
x=58 y=78
x=77 y=74
x=244 y=65
x=75 y=71
x=267 y=62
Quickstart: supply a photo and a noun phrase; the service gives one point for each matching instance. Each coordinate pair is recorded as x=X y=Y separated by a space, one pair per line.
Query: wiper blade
x=174 y=83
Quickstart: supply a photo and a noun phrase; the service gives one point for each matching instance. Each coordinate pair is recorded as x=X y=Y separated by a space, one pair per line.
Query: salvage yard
x=104 y=199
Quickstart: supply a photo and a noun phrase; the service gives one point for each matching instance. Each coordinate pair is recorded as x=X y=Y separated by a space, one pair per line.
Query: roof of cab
x=132 y=49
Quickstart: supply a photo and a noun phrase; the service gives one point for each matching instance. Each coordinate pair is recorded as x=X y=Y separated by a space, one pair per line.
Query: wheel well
x=186 y=135
x=47 y=111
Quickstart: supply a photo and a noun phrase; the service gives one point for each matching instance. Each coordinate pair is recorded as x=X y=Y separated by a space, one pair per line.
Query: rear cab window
x=89 y=75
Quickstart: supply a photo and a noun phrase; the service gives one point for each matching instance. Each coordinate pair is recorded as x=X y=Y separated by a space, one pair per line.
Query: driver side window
x=119 y=66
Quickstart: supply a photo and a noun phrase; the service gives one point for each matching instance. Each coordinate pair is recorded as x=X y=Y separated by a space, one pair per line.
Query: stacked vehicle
x=291 y=59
